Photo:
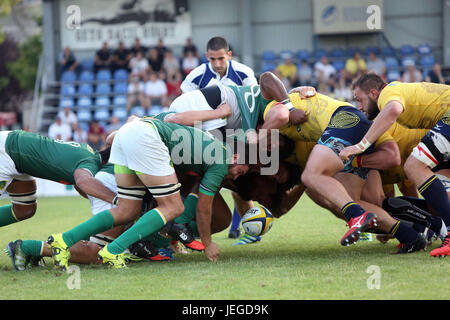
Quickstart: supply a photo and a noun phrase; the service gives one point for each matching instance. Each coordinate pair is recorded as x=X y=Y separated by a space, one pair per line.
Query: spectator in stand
x=138 y=67
x=324 y=71
x=190 y=47
x=103 y=58
x=67 y=116
x=137 y=47
x=120 y=58
x=287 y=71
x=68 y=61
x=161 y=48
x=305 y=74
x=173 y=84
x=96 y=135
x=155 y=90
x=342 y=90
x=435 y=75
x=114 y=124
x=154 y=60
x=79 y=135
x=59 y=130
x=355 y=66
x=376 y=64
x=411 y=74
x=189 y=63
x=136 y=91
x=171 y=64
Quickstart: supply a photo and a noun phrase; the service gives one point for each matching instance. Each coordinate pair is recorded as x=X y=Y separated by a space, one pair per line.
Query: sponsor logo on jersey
x=344 y=120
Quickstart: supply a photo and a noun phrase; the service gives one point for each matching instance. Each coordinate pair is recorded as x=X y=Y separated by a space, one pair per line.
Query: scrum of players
x=346 y=158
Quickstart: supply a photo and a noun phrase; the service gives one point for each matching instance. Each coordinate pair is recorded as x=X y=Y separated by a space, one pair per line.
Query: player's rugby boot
x=443 y=250
x=146 y=250
x=183 y=234
x=247 y=239
x=115 y=261
x=60 y=251
x=419 y=244
x=357 y=226
x=18 y=258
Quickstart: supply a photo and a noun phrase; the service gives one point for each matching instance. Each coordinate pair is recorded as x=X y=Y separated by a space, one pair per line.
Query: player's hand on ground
x=304 y=91
x=347 y=152
x=212 y=252
x=297 y=116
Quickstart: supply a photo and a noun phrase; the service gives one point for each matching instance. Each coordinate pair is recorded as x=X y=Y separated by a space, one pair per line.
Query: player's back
x=424 y=103
x=45 y=158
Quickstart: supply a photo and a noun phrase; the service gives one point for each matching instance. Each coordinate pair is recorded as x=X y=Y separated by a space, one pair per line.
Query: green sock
x=149 y=223
x=194 y=228
x=32 y=247
x=190 y=207
x=7 y=216
x=158 y=240
x=100 y=222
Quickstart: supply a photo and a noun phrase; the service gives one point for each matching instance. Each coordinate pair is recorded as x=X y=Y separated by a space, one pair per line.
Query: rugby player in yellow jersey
x=333 y=124
x=414 y=105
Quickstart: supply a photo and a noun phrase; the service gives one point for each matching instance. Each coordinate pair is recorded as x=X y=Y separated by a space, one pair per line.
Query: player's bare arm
x=188 y=118
x=384 y=121
x=203 y=217
x=386 y=156
x=87 y=184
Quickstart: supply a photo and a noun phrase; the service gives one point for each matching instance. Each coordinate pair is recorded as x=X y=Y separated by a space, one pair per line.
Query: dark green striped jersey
x=194 y=150
x=49 y=159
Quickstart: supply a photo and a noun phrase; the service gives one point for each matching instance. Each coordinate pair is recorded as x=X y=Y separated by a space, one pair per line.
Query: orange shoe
x=357 y=226
x=444 y=249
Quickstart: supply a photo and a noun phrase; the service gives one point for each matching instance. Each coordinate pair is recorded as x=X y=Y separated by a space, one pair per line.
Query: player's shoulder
x=238 y=66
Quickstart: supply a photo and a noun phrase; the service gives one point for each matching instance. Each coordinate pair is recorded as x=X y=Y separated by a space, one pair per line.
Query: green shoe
x=19 y=258
x=115 y=261
x=60 y=251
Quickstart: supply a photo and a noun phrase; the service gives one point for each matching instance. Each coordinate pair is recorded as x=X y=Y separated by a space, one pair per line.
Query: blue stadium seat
x=388 y=52
x=424 y=49
x=120 y=101
x=103 y=88
x=407 y=50
x=65 y=102
x=427 y=61
x=102 y=114
x=121 y=113
x=103 y=75
x=268 y=66
x=85 y=89
x=319 y=53
x=86 y=75
x=407 y=60
x=138 y=110
x=120 y=75
x=154 y=110
x=87 y=64
x=391 y=63
x=121 y=88
x=283 y=54
x=84 y=115
x=303 y=55
x=102 y=101
x=338 y=64
x=84 y=102
x=351 y=51
x=68 y=76
x=337 y=53
x=269 y=55
x=393 y=75
x=369 y=50
x=67 y=90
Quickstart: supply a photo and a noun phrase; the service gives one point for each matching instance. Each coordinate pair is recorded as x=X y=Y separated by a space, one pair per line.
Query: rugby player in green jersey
x=25 y=155
x=146 y=153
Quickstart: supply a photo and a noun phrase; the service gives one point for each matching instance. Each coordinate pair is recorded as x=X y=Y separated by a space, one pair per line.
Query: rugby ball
x=257 y=221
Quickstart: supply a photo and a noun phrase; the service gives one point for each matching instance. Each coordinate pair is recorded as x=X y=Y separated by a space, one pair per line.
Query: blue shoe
x=247 y=239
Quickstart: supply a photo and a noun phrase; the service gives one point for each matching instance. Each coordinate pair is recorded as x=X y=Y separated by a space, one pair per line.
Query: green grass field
x=300 y=258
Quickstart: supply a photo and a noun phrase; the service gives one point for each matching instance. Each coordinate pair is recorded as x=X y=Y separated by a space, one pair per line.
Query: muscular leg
x=23 y=198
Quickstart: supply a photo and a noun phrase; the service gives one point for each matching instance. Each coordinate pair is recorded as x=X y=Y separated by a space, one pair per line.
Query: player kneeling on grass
x=144 y=152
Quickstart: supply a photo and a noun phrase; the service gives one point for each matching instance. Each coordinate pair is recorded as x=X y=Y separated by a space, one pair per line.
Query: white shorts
x=138 y=146
x=8 y=170
x=196 y=101
x=109 y=181
x=432 y=147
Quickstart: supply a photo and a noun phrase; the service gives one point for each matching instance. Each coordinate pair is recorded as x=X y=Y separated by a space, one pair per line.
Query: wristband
x=288 y=104
x=363 y=145
x=115 y=200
